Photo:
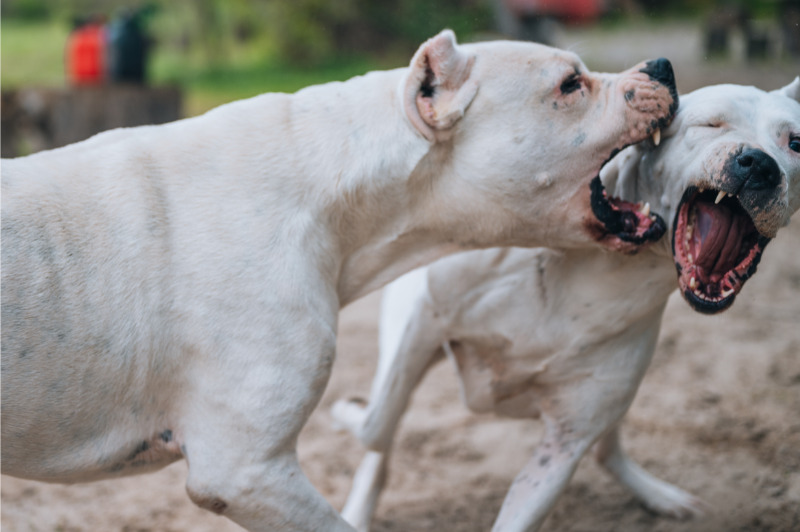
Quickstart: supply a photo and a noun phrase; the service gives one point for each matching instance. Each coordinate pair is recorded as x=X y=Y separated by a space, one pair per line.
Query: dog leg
x=368 y=483
x=659 y=496
x=239 y=428
x=540 y=483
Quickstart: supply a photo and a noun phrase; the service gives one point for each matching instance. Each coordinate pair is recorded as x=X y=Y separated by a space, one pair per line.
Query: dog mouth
x=630 y=222
x=716 y=248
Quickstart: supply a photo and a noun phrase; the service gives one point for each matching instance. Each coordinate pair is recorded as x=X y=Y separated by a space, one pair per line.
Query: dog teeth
x=693 y=283
x=690 y=258
x=657 y=137
x=727 y=293
x=720 y=197
x=645 y=210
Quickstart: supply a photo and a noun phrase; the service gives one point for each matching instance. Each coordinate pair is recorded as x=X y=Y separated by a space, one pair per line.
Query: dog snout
x=755 y=170
x=660 y=70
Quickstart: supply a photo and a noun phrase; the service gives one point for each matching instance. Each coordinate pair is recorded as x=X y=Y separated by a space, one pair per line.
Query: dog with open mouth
x=172 y=292
x=558 y=333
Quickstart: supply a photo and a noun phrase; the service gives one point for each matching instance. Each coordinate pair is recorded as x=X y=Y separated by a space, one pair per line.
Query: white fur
x=564 y=334
x=172 y=291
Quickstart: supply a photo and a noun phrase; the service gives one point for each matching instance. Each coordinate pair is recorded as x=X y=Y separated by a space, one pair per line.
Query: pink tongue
x=720 y=237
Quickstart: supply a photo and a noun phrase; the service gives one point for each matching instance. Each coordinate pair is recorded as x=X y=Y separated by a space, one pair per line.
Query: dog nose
x=660 y=70
x=757 y=170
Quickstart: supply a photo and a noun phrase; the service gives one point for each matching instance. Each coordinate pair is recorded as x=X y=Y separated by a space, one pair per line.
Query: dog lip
x=706 y=288
x=621 y=219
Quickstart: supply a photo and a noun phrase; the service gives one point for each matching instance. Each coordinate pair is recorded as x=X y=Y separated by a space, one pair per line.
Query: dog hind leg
x=409 y=344
x=659 y=496
x=369 y=480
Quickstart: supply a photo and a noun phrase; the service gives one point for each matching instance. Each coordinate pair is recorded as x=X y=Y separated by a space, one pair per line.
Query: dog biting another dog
x=172 y=291
x=567 y=335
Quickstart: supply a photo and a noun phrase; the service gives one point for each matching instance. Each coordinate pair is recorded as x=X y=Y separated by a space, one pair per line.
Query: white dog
x=172 y=291
x=567 y=335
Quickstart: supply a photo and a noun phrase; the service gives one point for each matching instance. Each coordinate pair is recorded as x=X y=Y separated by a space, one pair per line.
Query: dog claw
x=720 y=197
x=657 y=137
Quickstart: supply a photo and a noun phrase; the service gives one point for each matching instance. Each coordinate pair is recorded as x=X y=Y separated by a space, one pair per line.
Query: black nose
x=756 y=170
x=660 y=70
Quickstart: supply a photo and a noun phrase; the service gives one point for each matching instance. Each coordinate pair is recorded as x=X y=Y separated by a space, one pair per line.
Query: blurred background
x=71 y=68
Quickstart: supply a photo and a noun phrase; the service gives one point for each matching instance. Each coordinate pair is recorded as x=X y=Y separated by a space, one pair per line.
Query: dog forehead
x=762 y=117
x=735 y=104
x=500 y=60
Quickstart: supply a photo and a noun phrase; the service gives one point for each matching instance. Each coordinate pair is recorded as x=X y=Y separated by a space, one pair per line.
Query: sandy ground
x=717 y=414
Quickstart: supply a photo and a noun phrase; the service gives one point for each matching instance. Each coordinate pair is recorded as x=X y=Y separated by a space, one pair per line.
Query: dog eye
x=571 y=84
x=794 y=144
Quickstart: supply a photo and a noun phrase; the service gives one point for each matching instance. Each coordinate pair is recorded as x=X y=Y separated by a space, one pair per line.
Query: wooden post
x=37 y=119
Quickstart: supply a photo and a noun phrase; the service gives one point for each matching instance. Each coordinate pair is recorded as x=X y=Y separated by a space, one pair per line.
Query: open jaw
x=630 y=222
x=716 y=248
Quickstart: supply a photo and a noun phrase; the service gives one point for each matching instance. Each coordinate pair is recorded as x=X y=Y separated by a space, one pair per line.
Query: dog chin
x=716 y=248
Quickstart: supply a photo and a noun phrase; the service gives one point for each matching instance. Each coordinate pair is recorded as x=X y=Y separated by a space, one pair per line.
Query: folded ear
x=620 y=175
x=792 y=90
x=438 y=88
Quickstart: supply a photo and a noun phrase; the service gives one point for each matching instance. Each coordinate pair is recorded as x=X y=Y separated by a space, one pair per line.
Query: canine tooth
x=690 y=258
x=657 y=137
x=726 y=293
x=646 y=209
x=720 y=197
x=693 y=283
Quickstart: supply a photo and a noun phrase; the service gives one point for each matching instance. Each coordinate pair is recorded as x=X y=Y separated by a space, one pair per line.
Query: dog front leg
x=540 y=483
x=239 y=429
x=659 y=496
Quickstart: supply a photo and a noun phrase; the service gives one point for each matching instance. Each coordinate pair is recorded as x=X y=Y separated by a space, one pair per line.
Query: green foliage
x=32 y=52
x=221 y=50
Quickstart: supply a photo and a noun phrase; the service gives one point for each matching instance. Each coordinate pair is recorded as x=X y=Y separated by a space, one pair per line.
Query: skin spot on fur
x=580 y=139
x=544 y=460
x=212 y=504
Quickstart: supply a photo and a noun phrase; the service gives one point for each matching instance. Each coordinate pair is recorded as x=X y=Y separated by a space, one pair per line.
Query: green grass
x=32 y=54
x=212 y=87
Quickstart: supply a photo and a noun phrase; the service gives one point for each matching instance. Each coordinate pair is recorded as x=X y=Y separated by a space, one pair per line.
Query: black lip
x=704 y=306
x=617 y=222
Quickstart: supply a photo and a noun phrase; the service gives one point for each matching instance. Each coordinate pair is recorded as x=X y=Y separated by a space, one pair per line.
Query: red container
x=86 y=55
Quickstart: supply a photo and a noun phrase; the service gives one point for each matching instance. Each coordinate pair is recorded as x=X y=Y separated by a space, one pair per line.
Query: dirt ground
x=717 y=415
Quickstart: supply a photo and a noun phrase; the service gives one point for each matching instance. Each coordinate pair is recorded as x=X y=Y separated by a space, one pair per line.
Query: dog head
x=727 y=175
x=526 y=128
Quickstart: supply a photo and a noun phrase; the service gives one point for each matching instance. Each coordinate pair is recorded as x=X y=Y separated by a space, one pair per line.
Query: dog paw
x=677 y=504
x=348 y=414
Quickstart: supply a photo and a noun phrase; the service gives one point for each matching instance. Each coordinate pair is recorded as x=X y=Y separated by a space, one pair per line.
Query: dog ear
x=792 y=90
x=621 y=174
x=438 y=88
